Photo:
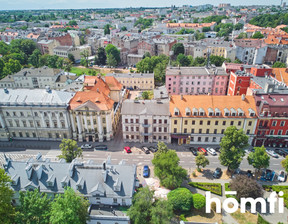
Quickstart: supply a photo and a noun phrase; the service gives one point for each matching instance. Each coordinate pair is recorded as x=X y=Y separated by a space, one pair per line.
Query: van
x=101 y=147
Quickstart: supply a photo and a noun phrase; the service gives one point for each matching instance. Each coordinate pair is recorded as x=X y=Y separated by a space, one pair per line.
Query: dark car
x=146 y=171
x=193 y=150
x=153 y=149
x=101 y=147
x=217 y=173
x=145 y=149
x=281 y=152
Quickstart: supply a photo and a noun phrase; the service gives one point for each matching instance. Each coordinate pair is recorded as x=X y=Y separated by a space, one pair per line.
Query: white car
x=86 y=146
x=211 y=151
x=272 y=153
x=282 y=176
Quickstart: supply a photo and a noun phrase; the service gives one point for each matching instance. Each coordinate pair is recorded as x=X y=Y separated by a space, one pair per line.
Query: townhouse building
x=146 y=120
x=272 y=126
x=64 y=51
x=204 y=119
x=102 y=184
x=196 y=80
x=137 y=81
x=34 y=114
x=47 y=46
x=93 y=112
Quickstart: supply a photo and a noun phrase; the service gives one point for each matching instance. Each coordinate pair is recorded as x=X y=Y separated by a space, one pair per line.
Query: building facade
x=204 y=119
x=37 y=114
x=146 y=121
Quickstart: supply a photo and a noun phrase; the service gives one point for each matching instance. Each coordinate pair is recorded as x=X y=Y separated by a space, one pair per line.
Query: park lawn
x=81 y=71
x=200 y=216
x=244 y=218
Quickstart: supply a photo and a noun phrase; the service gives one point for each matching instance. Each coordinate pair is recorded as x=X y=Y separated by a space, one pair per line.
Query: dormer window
x=233 y=112
x=201 y=112
x=195 y=112
x=176 y=111
x=251 y=112
x=240 y=112
x=217 y=112
x=226 y=112
x=187 y=111
x=210 y=111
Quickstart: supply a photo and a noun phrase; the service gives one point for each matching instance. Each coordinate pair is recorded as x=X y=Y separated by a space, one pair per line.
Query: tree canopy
x=111 y=49
x=181 y=199
x=232 y=147
x=178 y=48
x=201 y=160
x=69 y=150
x=284 y=163
x=167 y=169
x=198 y=201
x=270 y=20
x=259 y=158
x=279 y=64
x=257 y=35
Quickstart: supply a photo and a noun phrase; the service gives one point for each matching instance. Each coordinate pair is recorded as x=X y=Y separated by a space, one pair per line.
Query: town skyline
x=84 y=4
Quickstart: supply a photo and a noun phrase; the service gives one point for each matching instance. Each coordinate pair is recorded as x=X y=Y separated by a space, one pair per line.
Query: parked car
x=145 y=149
x=211 y=151
x=200 y=149
x=153 y=149
x=249 y=173
x=101 y=147
x=86 y=146
x=272 y=153
x=282 y=176
x=146 y=171
x=193 y=150
x=267 y=175
x=127 y=149
x=217 y=173
x=281 y=152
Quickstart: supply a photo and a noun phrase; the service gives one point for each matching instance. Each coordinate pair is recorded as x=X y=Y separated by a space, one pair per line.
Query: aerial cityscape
x=150 y=112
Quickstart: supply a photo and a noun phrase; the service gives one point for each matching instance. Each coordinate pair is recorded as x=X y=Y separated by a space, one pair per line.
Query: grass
x=213 y=188
x=244 y=218
x=227 y=188
x=81 y=71
x=123 y=209
x=277 y=189
x=200 y=216
x=261 y=220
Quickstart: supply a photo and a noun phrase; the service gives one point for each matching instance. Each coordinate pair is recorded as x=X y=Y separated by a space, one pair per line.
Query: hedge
x=278 y=188
x=214 y=188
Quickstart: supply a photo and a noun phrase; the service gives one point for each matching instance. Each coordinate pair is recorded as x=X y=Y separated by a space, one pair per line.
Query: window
x=193 y=122
x=165 y=121
x=214 y=139
x=31 y=124
x=192 y=131
x=215 y=131
x=185 y=122
x=131 y=121
x=274 y=123
x=132 y=128
x=206 y=139
x=154 y=137
x=279 y=132
x=248 y=132
x=154 y=121
x=207 y=131
x=165 y=130
x=185 y=130
x=224 y=123
x=126 y=129
x=27 y=135
x=24 y=123
x=249 y=123
x=137 y=128
x=137 y=121
x=175 y=121
x=114 y=200
x=282 y=123
x=271 y=132
x=239 y=123
x=200 y=131
x=201 y=122
x=216 y=122
x=20 y=134
x=199 y=139
x=126 y=121
x=160 y=121
x=208 y=122
x=232 y=123
x=222 y=131
x=127 y=136
x=132 y=136
x=175 y=130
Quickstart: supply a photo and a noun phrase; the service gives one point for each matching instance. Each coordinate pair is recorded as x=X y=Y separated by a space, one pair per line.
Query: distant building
x=64 y=51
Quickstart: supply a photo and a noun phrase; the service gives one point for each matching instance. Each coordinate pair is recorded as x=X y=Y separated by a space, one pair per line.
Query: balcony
x=146 y=125
x=146 y=134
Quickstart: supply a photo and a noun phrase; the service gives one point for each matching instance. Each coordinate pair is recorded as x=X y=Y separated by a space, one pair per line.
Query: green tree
x=147 y=55
x=72 y=23
x=123 y=28
x=259 y=158
x=69 y=207
x=242 y=36
x=217 y=60
x=52 y=61
x=284 y=163
x=167 y=169
x=21 y=57
x=101 y=55
x=140 y=211
x=178 y=49
x=71 y=58
x=7 y=211
x=183 y=60
x=181 y=199
x=111 y=49
x=69 y=150
x=34 y=208
x=147 y=95
x=111 y=61
x=246 y=187
x=4 y=48
x=161 y=212
x=2 y=65
x=279 y=64
x=43 y=60
x=28 y=46
x=257 y=35
x=201 y=160
x=84 y=58
x=232 y=147
x=198 y=201
x=67 y=64
x=238 y=26
x=107 y=29
x=199 y=36
x=34 y=58
x=206 y=29
x=60 y=62
x=11 y=67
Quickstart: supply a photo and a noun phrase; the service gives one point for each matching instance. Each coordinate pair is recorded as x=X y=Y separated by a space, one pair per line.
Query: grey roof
x=277 y=87
x=195 y=71
x=37 y=72
x=146 y=107
x=34 y=97
x=63 y=48
x=132 y=75
x=160 y=93
x=45 y=41
x=51 y=177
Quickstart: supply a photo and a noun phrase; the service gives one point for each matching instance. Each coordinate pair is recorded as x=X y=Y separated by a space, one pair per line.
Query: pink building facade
x=196 y=81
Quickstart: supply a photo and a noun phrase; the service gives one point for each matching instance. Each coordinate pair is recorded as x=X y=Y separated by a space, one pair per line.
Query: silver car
x=211 y=151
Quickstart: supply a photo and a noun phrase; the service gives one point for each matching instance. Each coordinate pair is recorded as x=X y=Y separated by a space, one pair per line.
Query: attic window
x=176 y=111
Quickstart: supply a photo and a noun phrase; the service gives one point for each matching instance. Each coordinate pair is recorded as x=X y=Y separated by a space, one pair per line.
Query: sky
x=81 y=4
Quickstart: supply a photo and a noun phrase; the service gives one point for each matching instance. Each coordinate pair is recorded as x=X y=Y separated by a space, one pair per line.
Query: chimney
x=243 y=97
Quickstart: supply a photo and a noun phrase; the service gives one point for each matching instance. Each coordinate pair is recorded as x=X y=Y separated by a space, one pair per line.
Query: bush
x=194 y=174
x=227 y=188
x=180 y=199
x=182 y=217
x=277 y=189
x=213 y=188
x=261 y=220
x=199 y=201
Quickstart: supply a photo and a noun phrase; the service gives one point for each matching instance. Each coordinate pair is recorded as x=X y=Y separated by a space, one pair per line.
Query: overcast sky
x=80 y=4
